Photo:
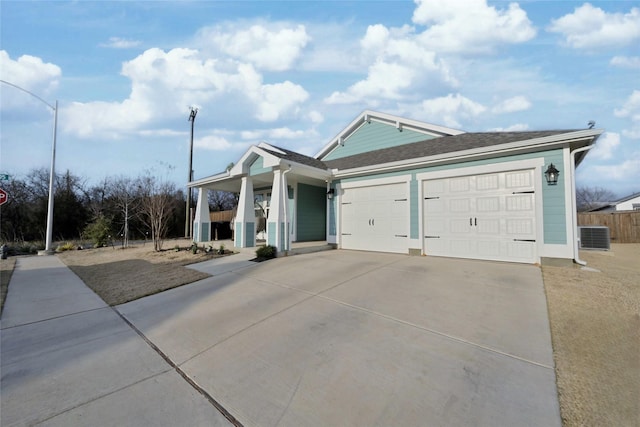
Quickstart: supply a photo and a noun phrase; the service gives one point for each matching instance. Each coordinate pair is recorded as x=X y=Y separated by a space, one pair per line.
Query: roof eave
x=588 y=136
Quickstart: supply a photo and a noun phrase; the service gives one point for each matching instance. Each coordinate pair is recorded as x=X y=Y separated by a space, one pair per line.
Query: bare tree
x=126 y=200
x=222 y=200
x=156 y=206
x=588 y=198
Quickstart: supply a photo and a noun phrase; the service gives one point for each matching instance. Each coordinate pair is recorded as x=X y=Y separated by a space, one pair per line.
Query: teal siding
x=311 y=213
x=554 y=204
x=257 y=167
x=237 y=234
x=271 y=233
x=204 y=236
x=332 y=217
x=249 y=235
x=553 y=200
x=375 y=136
x=414 y=211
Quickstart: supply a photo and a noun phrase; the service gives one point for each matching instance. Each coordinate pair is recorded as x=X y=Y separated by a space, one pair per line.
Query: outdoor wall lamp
x=330 y=193
x=552 y=174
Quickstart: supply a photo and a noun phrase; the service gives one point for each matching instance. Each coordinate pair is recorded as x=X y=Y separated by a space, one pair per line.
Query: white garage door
x=488 y=216
x=375 y=218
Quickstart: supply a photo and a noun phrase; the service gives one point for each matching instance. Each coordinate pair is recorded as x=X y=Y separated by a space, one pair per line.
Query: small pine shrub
x=98 y=232
x=266 y=252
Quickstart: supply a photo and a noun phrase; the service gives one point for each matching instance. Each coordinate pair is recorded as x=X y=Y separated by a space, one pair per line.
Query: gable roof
x=398 y=122
x=465 y=142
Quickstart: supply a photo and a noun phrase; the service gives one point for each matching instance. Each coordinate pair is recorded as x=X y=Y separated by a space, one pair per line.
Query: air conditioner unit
x=594 y=237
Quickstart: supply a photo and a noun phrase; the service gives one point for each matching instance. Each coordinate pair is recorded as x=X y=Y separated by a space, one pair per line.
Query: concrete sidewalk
x=68 y=359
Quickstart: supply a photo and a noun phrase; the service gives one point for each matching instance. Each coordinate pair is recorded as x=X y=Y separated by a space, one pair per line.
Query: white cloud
x=315 y=117
x=399 y=66
x=281 y=133
x=451 y=109
x=625 y=171
x=471 y=25
x=31 y=74
x=631 y=110
x=164 y=84
x=385 y=81
x=589 y=27
x=274 y=100
x=120 y=43
x=213 y=143
x=518 y=127
x=403 y=62
x=273 y=47
x=605 y=146
x=512 y=105
x=626 y=61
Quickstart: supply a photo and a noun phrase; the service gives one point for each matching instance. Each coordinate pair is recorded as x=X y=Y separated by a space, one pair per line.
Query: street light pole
x=52 y=176
x=47 y=249
x=187 y=225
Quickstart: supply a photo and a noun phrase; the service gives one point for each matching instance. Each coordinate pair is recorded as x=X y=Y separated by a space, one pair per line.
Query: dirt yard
x=594 y=316
x=120 y=275
x=595 y=329
x=6 y=270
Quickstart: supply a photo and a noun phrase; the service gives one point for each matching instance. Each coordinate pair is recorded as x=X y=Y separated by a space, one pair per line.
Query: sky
x=296 y=73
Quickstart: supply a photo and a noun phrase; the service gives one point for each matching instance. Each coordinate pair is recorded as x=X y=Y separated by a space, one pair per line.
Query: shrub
x=98 y=232
x=266 y=252
x=66 y=247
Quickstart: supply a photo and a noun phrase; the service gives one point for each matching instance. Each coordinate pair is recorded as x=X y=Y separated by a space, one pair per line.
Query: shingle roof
x=296 y=157
x=436 y=146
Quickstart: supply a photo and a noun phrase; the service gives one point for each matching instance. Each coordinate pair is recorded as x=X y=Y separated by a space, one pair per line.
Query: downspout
x=574 y=209
x=286 y=209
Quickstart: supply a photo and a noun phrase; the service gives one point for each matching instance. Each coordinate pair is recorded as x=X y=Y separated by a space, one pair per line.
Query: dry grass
x=121 y=275
x=595 y=328
x=6 y=270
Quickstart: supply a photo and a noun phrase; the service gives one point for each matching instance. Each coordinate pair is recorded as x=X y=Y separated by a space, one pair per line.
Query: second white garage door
x=375 y=218
x=488 y=216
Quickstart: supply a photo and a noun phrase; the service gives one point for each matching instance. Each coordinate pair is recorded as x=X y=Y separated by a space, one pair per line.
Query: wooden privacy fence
x=222 y=216
x=623 y=226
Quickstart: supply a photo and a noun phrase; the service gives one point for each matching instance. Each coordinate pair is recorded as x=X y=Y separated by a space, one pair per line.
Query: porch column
x=202 y=220
x=244 y=230
x=277 y=223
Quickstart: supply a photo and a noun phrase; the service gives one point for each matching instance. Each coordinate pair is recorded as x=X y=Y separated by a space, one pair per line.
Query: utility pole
x=187 y=225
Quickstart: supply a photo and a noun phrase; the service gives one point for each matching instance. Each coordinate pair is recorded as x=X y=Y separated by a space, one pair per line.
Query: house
x=629 y=203
x=391 y=184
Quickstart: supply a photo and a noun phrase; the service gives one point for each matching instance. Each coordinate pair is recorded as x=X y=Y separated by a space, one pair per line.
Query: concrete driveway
x=345 y=338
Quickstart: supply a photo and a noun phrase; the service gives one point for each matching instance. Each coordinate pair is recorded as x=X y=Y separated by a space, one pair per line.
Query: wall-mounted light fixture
x=551 y=174
x=330 y=193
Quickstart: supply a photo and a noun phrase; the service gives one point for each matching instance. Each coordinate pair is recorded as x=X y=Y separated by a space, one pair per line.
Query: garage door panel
x=459 y=226
x=488 y=226
x=434 y=206
x=488 y=204
x=519 y=179
x=522 y=202
x=520 y=250
x=487 y=182
x=489 y=249
x=520 y=227
x=460 y=205
x=459 y=185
